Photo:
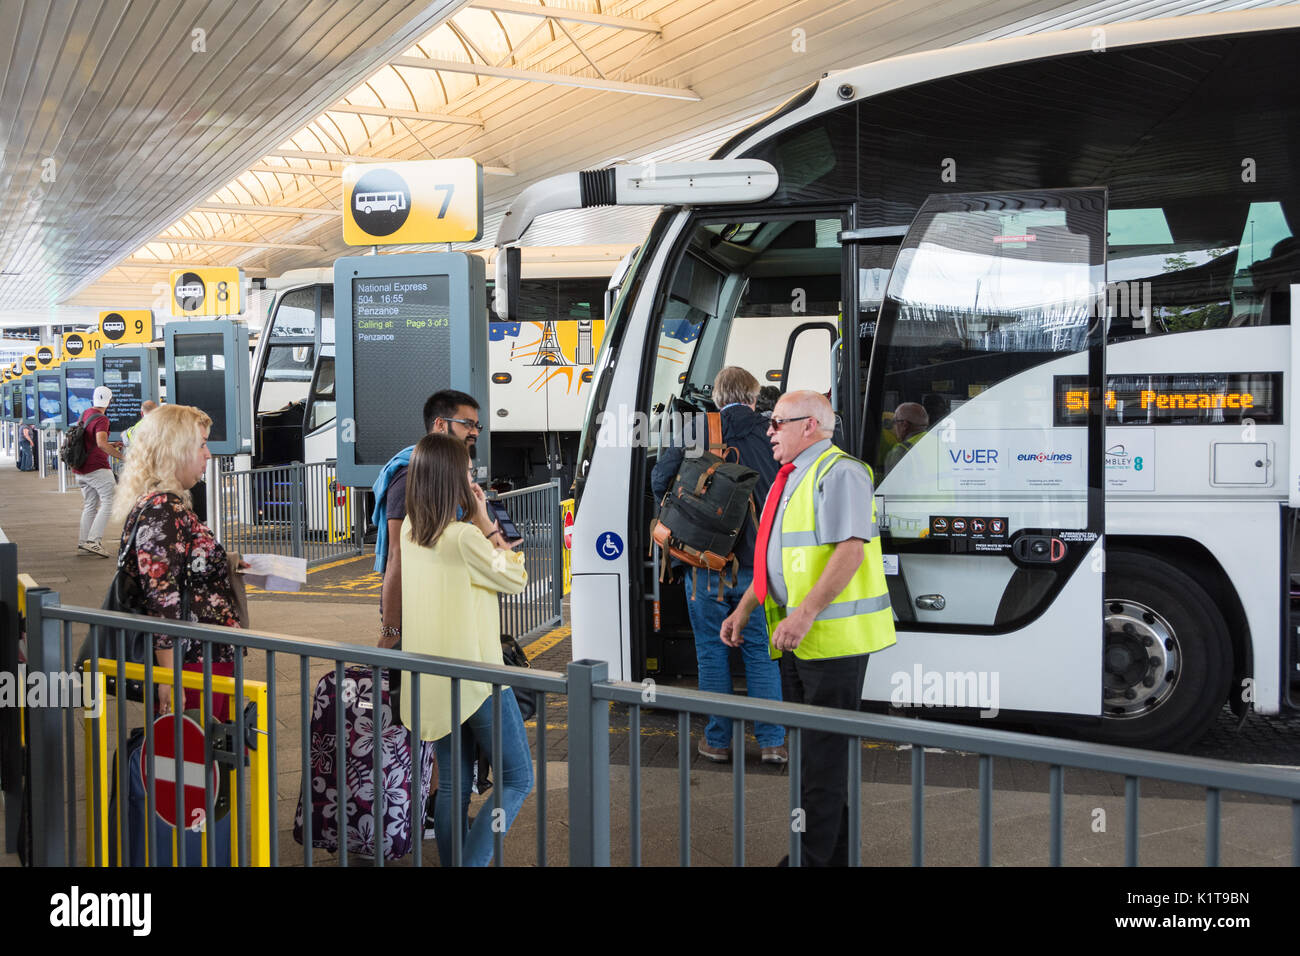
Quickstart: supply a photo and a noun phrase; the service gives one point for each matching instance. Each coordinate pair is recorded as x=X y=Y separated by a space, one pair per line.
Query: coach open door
x=992 y=331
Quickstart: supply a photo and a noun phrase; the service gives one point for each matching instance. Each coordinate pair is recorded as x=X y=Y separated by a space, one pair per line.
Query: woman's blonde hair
x=165 y=440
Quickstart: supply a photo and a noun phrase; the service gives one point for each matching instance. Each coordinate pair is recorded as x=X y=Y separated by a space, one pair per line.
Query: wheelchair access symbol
x=609 y=546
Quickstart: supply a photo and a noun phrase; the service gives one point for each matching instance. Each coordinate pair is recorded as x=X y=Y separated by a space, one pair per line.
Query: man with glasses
x=446 y=412
x=819 y=574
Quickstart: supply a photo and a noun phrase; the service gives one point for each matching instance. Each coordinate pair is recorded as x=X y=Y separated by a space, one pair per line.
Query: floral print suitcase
x=395 y=764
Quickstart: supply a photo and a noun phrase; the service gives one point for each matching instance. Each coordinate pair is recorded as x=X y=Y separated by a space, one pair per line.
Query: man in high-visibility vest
x=128 y=436
x=911 y=423
x=819 y=574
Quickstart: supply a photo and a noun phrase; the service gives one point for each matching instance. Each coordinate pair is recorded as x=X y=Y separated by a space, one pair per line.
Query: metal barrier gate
x=297 y=509
x=536 y=513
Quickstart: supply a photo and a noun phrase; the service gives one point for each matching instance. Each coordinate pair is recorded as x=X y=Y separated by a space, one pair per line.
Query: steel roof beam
x=344 y=158
x=251 y=209
x=562 y=13
x=405 y=114
x=541 y=76
x=187 y=240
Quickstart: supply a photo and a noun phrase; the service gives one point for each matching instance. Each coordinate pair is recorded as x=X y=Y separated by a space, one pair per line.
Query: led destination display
x=1198 y=398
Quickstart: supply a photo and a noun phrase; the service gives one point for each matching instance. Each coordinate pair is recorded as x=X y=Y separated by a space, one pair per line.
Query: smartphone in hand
x=497 y=511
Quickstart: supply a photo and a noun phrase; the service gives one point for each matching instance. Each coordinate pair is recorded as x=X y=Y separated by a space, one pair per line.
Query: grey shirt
x=843 y=508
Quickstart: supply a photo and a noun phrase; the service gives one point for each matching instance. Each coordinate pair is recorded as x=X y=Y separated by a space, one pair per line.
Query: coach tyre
x=1167 y=660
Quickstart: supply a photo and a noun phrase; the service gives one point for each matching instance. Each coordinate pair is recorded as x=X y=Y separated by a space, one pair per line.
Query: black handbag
x=124 y=595
x=513 y=656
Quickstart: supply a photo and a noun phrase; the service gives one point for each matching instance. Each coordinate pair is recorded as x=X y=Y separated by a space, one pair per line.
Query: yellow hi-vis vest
x=859 y=619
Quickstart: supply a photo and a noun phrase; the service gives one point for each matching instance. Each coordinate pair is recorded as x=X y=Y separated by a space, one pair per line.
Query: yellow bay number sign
x=120 y=326
x=435 y=200
x=81 y=345
x=206 y=291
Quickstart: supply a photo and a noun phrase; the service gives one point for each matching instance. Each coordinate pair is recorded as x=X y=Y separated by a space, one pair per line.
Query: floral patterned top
x=167 y=532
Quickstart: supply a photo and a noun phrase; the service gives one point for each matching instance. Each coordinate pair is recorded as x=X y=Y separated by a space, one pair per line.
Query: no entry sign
x=568 y=530
x=164 y=737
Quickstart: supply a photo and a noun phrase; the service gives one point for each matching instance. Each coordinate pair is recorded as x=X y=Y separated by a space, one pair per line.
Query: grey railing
x=589 y=695
x=297 y=509
x=536 y=513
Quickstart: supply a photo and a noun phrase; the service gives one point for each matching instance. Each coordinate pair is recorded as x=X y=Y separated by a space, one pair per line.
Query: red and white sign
x=164 y=741
x=568 y=531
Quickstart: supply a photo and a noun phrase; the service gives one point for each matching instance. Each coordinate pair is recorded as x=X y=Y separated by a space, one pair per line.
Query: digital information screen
x=1183 y=398
x=408 y=326
x=49 y=397
x=403 y=333
x=8 y=394
x=78 y=389
x=29 y=399
x=131 y=372
x=207 y=367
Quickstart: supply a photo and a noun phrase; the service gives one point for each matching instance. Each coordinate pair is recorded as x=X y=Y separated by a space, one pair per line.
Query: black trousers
x=824 y=783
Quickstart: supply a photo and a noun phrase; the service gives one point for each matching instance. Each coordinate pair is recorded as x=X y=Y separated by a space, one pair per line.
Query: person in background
x=768 y=396
x=95 y=476
x=734 y=392
x=174 y=554
x=147 y=406
x=819 y=574
x=448 y=412
x=911 y=423
x=454 y=570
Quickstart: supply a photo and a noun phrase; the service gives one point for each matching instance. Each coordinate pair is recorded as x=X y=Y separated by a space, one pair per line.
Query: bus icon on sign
x=385 y=202
x=190 y=291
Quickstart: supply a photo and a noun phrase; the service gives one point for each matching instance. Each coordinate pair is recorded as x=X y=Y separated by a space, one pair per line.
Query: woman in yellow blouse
x=452 y=570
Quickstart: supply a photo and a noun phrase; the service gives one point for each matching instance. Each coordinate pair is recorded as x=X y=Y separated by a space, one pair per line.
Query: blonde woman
x=169 y=551
x=452 y=569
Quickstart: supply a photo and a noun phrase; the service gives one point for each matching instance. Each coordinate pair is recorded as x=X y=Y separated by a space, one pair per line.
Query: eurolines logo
x=1045 y=456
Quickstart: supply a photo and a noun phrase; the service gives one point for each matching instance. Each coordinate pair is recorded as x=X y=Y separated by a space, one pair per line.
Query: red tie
x=765 y=531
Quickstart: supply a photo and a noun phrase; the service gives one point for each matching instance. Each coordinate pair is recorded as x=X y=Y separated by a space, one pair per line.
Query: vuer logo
x=113 y=326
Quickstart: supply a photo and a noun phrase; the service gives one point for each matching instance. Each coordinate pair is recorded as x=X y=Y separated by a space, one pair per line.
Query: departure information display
x=124 y=375
x=407 y=326
x=1183 y=398
x=201 y=378
x=78 y=389
x=401 y=333
x=49 y=397
x=29 y=398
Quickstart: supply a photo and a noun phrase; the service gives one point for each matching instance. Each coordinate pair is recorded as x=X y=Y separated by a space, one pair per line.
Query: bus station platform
x=340 y=603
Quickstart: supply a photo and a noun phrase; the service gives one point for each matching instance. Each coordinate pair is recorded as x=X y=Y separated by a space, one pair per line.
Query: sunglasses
x=776 y=423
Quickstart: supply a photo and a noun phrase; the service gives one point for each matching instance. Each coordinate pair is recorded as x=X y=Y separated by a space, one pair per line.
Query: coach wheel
x=1166 y=658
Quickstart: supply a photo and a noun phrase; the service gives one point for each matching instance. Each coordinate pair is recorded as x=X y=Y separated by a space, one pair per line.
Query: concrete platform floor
x=43 y=523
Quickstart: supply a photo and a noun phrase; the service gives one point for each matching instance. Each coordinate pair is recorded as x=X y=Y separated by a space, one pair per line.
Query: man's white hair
x=813 y=404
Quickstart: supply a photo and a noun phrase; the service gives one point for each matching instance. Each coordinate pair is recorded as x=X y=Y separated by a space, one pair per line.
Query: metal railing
x=590 y=694
x=536 y=513
x=297 y=509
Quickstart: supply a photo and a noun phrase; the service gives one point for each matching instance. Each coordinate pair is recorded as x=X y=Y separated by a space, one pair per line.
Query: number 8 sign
x=206 y=291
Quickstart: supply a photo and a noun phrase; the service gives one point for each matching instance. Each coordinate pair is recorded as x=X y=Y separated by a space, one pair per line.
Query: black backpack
x=705 y=508
x=74 y=452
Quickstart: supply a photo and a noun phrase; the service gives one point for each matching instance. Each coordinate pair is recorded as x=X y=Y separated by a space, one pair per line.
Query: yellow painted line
x=547 y=641
x=329 y=594
x=339 y=564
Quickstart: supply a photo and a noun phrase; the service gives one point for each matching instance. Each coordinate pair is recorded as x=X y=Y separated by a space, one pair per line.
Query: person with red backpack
x=94 y=476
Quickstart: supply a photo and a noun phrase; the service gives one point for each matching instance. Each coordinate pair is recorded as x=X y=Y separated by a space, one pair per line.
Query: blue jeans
x=762 y=674
x=515 y=784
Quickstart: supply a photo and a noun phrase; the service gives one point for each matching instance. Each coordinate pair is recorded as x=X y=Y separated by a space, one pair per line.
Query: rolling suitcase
x=395 y=772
